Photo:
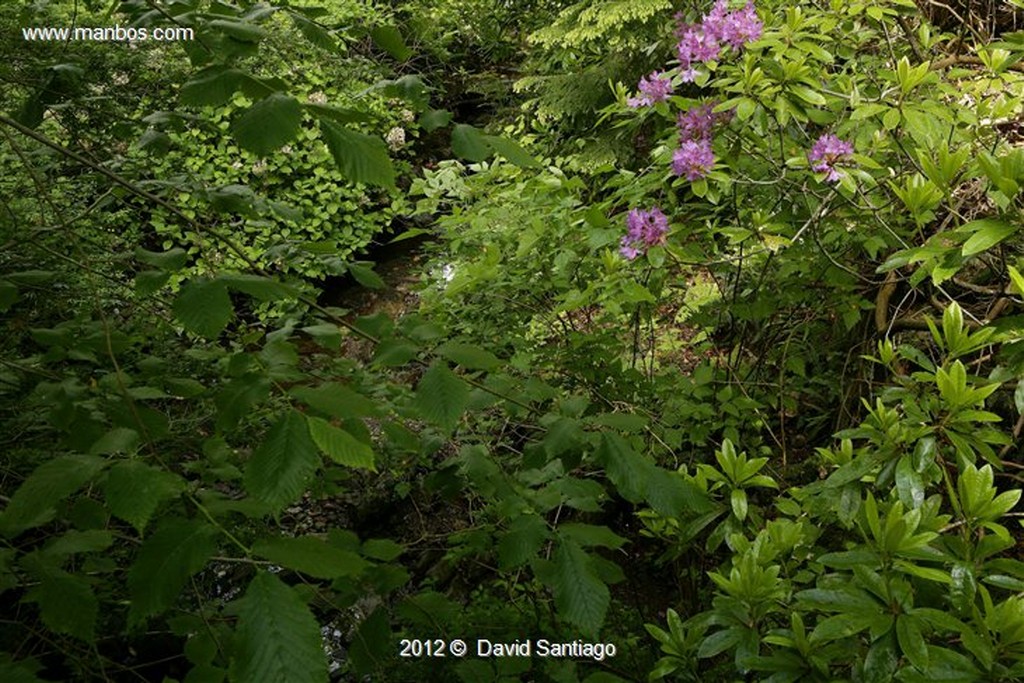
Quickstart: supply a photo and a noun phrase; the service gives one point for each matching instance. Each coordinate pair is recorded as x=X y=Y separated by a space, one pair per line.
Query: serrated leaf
x=625 y=468
x=337 y=400
x=314 y=33
x=985 y=234
x=671 y=495
x=66 y=604
x=262 y=288
x=212 y=87
x=177 y=550
x=269 y=124
x=311 y=556
x=469 y=356
x=134 y=490
x=469 y=143
x=238 y=397
x=512 y=151
x=389 y=39
x=74 y=542
x=365 y=276
x=523 y=540
x=435 y=118
x=34 y=502
x=339 y=445
x=581 y=598
x=241 y=31
x=204 y=307
x=174 y=259
x=361 y=158
x=383 y=549
x=281 y=468
x=277 y=638
x=590 y=534
x=441 y=397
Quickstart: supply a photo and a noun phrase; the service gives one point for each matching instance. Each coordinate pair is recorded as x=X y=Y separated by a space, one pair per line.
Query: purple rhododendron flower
x=697 y=123
x=703 y=42
x=653 y=88
x=644 y=229
x=826 y=153
x=693 y=159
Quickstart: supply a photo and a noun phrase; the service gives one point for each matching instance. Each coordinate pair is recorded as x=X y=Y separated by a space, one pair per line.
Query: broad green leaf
x=238 y=397
x=673 y=496
x=277 y=639
x=362 y=158
x=269 y=124
x=985 y=234
x=625 y=468
x=433 y=119
x=523 y=540
x=389 y=39
x=285 y=462
x=21 y=671
x=311 y=556
x=66 y=604
x=590 y=534
x=34 y=502
x=134 y=490
x=469 y=356
x=177 y=550
x=314 y=33
x=74 y=542
x=204 y=307
x=337 y=400
x=908 y=632
x=9 y=295
x=365 y=276
x=441 y=397
x=212 y=87
x=581 y=597
x=383 y=549
x=339 y=445
x=174 y=259
x=469 y=143
x=719 y=642
x=262 y=288
x=512 y=151
x=238 y=30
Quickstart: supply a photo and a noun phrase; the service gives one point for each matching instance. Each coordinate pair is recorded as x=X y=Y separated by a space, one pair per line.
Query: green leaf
x=361 y=158
x=581 y=597
x=311 y=556
x=66 y=604
x=337 y=400
x=172 y=260
x=589 y=534
x=134 y=490
x=441 y=397
x=177 y=550
x=365 y=276
x=269 y=124
x=985 y=234
x=21 y=671
x=522 y=542
x=314 y=33
x=262 y=288
x=512 y=151
x=74 y=542
x=339 y=445
x=383 y=549
x=204 y=307
x=213 y=87
x=469 y=143
x=908 y=632
x=469 y=356
x=285 y=462
x=389 y=39
x=9 y=295
x=241 y=31
x=34 y=502
x=238 y=397
x=625 y=468
x=277 y=638
x=433 y=119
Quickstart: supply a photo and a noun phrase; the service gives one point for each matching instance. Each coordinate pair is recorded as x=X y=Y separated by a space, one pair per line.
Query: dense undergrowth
x=711 y=369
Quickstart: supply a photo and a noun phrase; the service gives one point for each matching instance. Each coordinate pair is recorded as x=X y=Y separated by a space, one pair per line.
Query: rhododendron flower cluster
x=826 y=153
x=653 y=88
x=644 y=229
x=720 y=27
x=693 y=159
